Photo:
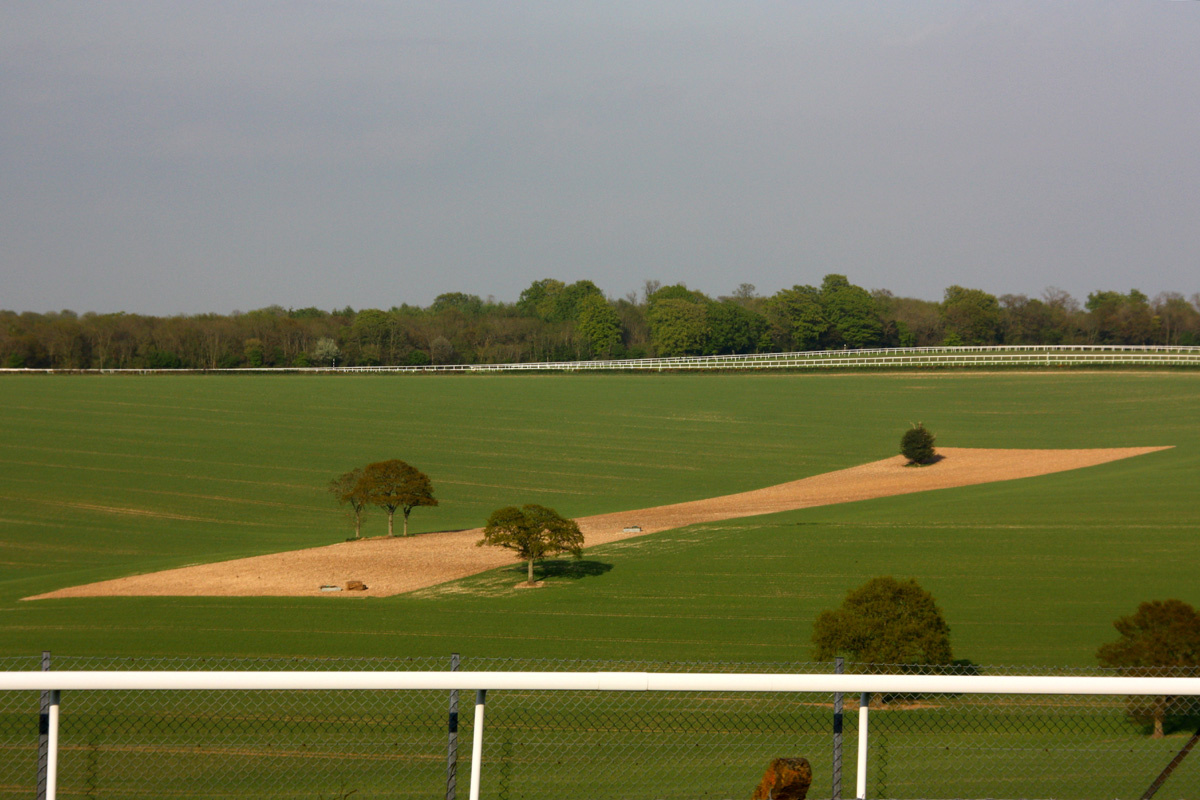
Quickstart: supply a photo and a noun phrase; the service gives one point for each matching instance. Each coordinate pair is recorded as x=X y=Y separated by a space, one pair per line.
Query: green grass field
x=108 y=476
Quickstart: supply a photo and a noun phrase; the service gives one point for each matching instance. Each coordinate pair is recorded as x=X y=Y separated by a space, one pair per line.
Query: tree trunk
x=390 y=515
x=406 y=523
x=358 y=524
x=1159 y=712
x=531 y=572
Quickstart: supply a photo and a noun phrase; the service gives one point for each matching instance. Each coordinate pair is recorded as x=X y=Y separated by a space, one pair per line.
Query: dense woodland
x=554 y=321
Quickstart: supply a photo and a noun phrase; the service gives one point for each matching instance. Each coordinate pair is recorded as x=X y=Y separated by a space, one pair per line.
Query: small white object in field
x=633 y=529
x=328 y=588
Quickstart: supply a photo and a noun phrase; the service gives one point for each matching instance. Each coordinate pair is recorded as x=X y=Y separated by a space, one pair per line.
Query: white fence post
x=860 y=786
x=52 y=751
x=477 y=743
x=43 y=731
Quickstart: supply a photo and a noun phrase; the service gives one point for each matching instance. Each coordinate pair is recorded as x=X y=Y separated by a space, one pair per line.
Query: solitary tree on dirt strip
x=884 y=621
x=534 y=532
x=917 y=445
x=395 y=485
x=350 y=490
x=1161 y=637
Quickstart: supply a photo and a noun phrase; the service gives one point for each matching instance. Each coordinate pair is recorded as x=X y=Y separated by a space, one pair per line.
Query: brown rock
x=785 y=779
x=355 y=586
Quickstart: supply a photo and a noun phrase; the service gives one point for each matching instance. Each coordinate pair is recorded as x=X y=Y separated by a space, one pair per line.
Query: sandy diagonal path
x=393 y=566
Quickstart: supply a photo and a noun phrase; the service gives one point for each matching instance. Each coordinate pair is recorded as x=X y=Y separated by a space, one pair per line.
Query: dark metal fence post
x=43 y=757
x=839 y=667
x=452 y=755
x=1175 y=762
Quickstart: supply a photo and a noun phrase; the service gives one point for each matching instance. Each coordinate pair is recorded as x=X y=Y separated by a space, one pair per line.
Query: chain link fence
x=558 y=744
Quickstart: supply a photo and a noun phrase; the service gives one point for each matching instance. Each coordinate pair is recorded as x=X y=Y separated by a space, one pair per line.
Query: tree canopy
x=850 y=313
x=350 y=490
x=556 y=321
x=796 y=318
x=533 y=532
x=884 y=621
x=971 y=316
x=917 y=445
x=394 y=485
x=599 y=325
x=1160 y=635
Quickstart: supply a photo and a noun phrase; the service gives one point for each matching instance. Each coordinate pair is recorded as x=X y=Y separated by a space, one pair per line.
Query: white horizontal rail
x=594 y=681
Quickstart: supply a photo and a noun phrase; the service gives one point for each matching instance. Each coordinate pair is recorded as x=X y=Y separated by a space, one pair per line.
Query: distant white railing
x=885 y=358
x=57 y=682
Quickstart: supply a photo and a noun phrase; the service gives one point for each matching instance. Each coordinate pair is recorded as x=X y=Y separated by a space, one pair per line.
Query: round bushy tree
x=1162 y=637
x=917 y=445
x=534 y=532
x=395 y=484
x=884 y=621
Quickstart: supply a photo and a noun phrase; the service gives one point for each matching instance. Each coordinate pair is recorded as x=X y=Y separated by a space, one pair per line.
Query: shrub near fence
x=593 y=744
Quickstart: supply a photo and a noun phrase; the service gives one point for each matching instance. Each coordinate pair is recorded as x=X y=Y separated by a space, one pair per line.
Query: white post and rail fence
x=978 y=356
x=58 y=684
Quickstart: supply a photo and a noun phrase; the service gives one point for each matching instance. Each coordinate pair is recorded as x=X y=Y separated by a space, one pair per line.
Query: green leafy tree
x=1178 y=320
x=909 y=322
x=394 y=485
x=678 y=327
x=570 y=301
x=970 y=316
x=533 y=532
x=1162 y=634
x=1115 y=318
x=599 y=325
x=349 y=489
x=676 y=291
x=851 y=313
x=541 y=299
x=734 y=328
x=796 y=319
x=917 y=445
x=884 y=621
x=253 y=350
x=372 y=332
x=469 y=305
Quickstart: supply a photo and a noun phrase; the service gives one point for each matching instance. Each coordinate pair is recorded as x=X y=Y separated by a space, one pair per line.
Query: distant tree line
x=556 y=321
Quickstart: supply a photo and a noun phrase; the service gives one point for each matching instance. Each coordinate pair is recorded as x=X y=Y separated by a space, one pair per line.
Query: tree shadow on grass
x=569 y=568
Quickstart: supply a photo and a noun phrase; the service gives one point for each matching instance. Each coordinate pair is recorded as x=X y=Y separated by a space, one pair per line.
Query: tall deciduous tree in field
x=885 y=621
x=534 y=532
x=350 y=490
x=1161 y=635
x=396 y=485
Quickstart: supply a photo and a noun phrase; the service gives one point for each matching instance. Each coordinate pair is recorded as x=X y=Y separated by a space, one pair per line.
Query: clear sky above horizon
x=181 y=157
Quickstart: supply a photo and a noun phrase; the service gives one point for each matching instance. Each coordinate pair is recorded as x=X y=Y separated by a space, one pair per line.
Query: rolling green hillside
x=108 y=476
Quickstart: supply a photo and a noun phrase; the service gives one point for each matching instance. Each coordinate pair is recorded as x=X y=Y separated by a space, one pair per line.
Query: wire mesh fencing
x=557 y=744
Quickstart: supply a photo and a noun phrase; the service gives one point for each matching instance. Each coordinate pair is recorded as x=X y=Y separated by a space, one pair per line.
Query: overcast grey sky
x=180 y=157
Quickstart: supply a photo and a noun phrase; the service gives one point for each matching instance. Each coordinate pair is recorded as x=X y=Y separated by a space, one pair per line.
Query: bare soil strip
x=393 y=566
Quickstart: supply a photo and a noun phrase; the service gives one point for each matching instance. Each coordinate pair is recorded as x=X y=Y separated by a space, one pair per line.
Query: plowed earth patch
x=394 y=566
